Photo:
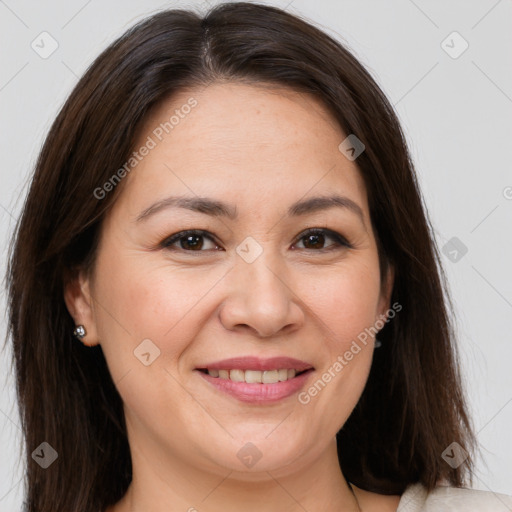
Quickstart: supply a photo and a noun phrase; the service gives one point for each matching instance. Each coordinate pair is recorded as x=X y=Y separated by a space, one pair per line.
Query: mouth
x=255 y=380
x=255 y=376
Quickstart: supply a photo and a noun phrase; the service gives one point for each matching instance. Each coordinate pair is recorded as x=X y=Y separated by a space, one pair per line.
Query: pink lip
x=258 y=393
x=257 y=363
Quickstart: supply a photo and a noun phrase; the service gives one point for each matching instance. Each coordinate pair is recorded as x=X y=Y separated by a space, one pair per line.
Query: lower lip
x=258 y=393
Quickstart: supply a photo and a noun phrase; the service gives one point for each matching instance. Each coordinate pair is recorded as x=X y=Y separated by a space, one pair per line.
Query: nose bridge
x=259 y=296
x=263 y=277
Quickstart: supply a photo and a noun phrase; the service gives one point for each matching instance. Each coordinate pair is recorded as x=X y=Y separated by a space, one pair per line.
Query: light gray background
x=456 y=112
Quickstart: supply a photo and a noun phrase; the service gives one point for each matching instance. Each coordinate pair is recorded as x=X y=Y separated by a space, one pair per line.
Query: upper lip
x=257 y=363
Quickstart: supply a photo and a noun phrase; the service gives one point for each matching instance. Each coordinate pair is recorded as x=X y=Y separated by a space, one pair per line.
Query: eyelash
x=340 y=241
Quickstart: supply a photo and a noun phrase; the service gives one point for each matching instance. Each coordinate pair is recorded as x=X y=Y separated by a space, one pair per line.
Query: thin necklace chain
x=355 y=497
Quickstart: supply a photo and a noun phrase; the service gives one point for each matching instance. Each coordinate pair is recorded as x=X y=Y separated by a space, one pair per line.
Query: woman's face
x=252 y=286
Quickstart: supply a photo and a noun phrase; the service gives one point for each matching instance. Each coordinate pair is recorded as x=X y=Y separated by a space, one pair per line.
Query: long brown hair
x=412 y=407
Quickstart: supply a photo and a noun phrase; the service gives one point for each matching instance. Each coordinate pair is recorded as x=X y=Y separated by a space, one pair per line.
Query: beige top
x=452 y=499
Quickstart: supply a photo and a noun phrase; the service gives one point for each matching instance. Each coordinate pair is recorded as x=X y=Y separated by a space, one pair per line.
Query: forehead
x=241 y=141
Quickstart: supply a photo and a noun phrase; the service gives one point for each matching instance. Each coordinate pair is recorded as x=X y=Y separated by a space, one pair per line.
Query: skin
x=260 y=149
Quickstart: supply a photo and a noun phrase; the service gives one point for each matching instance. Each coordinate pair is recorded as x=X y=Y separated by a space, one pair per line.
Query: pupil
x=316 y=240
x=189 y=240
x=193 y=241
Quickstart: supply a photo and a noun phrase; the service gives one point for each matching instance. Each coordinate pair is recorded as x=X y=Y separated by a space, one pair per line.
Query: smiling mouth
x=255 y=376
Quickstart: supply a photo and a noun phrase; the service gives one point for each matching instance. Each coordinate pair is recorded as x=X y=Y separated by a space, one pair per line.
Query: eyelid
x=340 y=240
x=167 y=242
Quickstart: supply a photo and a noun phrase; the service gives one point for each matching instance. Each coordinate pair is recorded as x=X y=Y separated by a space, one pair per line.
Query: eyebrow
x=217 y=208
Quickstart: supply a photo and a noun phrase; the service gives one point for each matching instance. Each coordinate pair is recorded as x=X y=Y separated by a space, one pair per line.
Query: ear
x=386 y=291
x=79 y=302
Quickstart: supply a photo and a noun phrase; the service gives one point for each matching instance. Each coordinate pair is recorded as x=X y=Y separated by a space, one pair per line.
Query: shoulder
x=452 y=499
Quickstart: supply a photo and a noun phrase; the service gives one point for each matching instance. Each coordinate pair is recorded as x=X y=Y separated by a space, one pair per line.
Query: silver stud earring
x=80 y=332
x=378 y=343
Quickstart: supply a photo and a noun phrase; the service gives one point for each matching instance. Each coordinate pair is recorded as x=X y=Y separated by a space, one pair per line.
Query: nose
x=260 y=299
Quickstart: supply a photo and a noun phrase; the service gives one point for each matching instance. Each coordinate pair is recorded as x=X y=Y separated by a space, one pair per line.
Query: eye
x=191 y=240
x=315 y=239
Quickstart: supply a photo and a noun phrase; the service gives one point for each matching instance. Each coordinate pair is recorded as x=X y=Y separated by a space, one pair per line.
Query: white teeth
x=237 y=375
x=270 y=377
x=255 y=376
x=252 y=376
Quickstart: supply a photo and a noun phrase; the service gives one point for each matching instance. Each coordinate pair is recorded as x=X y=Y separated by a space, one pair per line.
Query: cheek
x=139 y=299
x=344 y=300
x=344 y=304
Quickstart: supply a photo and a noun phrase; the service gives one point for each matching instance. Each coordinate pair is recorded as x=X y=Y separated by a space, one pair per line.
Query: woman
x=223 y=217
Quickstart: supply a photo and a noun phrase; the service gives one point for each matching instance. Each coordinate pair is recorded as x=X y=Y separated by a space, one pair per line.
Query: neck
x=160 y=485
